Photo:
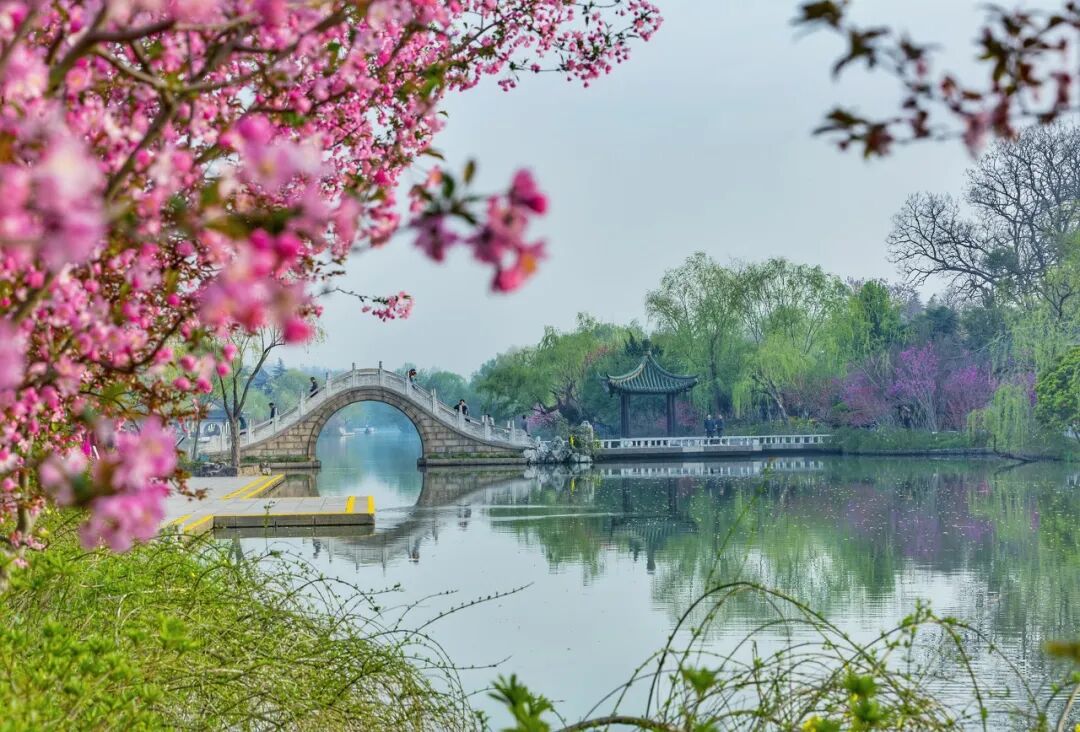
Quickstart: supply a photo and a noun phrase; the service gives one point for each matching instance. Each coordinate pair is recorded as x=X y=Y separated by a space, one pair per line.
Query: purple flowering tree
x=914 y=387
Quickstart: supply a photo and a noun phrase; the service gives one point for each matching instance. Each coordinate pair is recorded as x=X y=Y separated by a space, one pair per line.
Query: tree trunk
x=195 y=439
x=776 y=396
x=234 y=441
x=718 y=396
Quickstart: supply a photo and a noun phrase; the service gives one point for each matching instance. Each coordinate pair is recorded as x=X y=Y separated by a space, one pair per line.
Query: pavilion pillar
x=624 y=414
x=670 y=415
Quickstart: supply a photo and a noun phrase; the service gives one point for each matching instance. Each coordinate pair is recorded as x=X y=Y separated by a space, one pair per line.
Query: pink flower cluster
x=393 y=307
x=501 y=241
x=173 y=170
x=135 y=467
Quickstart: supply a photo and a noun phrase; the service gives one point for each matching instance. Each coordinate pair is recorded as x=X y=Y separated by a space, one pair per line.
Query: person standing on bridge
x=412 y=376
x=523 y=424
x=314 y=388
x=462 y=407
x=719 y=424
x=710 y=426
x=273 y=410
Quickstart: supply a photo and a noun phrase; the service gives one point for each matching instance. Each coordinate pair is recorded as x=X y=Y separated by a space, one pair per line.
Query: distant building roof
x=649 y=377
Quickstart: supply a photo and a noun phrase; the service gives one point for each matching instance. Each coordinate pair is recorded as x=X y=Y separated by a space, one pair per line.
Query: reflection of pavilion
x=650 y=534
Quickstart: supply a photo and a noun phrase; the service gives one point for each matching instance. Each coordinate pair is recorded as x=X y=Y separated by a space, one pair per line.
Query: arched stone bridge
x=444 y=433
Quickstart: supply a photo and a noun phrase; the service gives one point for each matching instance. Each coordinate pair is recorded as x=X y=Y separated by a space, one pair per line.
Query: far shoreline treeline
x=991 y=363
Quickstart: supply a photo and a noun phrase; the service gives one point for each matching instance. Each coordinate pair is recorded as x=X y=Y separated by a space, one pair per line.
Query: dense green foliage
x=1058 y=392
x=170 y=636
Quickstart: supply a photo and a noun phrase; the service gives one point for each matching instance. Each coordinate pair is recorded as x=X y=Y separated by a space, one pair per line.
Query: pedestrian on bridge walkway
x=314 y=388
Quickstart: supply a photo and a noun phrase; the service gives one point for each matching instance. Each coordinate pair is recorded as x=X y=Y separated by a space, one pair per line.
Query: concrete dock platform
x=248 y=504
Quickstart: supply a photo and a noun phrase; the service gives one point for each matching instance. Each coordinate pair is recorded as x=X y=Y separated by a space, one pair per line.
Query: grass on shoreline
x=169 y=636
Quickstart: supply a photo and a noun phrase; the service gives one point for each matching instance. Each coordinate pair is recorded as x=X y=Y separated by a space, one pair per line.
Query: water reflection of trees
x=1004 y=540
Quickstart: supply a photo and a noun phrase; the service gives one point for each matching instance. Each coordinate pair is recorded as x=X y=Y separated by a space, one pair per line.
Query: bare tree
x=1022 y=211
x=252 y=351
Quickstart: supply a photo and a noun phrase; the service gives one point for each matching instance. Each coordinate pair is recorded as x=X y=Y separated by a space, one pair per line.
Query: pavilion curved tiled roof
x=649 y=377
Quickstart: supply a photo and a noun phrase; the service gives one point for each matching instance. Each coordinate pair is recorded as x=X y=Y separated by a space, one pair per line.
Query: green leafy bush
x=179 y=636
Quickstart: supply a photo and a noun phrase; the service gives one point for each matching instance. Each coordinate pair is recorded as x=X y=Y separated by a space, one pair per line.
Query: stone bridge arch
x=439 y=437
x=422 y=421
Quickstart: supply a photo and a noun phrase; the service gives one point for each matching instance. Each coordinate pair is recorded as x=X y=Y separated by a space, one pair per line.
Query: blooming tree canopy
x=174 y=169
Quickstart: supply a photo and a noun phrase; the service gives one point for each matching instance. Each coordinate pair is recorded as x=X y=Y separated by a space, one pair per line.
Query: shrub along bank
x=175 y=636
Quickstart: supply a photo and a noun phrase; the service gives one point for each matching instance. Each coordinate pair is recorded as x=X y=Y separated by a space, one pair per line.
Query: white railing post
x=275 y=422
x=434 y=402
x=303 y=400
x=380 y=373
x=487 y=428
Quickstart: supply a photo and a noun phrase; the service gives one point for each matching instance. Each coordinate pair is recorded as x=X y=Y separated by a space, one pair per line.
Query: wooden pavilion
x=649 y=378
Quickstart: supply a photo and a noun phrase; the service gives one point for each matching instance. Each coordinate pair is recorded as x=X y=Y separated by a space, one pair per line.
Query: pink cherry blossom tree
x=175 y=170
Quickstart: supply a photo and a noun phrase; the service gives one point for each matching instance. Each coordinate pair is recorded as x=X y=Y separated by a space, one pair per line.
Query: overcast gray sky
x=701 y=142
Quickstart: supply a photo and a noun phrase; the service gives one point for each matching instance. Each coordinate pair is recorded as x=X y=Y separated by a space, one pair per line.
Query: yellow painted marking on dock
x=349 y=504
x=371 y=505
x=197 y=524
x=277 y=515
x=272 y=481
x=247 y=486
x=180 y=520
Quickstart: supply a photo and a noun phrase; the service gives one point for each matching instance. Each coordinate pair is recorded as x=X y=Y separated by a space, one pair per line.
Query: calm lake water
x=613 y=557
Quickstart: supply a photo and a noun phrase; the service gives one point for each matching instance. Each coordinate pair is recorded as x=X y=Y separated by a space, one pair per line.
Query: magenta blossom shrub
x=863 y=401
x=918 y=389
x=173 y=170
x=914 y=385
x=962 y=391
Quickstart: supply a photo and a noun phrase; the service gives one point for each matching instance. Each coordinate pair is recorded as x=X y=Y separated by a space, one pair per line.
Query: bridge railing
x=483 y=429
x=725 y=469
x=752 y=442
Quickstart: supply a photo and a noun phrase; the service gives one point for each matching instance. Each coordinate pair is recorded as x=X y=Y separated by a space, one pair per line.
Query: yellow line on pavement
x=284 y=514
x=371 y=505
x=246 y=487
x=180 y=520
x=349 y=504
x=192 y=526
x=270 y=482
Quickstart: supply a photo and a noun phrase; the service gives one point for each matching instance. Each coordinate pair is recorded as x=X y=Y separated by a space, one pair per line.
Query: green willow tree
x=787 y=308
x=1058 y=393
x=698 y=306
x=556 y=375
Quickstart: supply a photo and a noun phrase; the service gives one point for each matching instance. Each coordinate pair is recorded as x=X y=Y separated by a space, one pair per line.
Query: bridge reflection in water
x=639 y=506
